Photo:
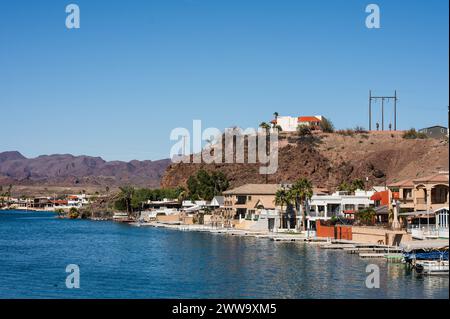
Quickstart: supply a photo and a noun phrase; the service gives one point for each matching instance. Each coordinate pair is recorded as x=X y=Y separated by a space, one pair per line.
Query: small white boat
x=432 y=267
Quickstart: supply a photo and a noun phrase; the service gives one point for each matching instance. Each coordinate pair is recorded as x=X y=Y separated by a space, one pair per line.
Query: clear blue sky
x=135 y=70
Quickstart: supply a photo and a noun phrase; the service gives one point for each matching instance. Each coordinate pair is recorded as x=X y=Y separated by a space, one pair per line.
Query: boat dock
x=366 y=251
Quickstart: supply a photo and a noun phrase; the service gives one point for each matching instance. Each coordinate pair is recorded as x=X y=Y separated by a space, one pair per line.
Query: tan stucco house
x=428 y=193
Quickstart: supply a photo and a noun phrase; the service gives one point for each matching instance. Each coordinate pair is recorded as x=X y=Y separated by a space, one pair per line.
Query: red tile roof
x=308 y=119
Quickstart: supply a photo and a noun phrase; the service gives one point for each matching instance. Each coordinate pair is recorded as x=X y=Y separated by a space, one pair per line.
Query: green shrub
x=366 y=216
x=326 y=126
x=303 y=130
x=413 y=134
x=73 y=213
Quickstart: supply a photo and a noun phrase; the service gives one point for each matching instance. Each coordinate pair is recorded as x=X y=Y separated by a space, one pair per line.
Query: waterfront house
x=194 y=206
x=252 y=206
x=160 y=209
x=403 y=192
x=381 y=206
x=423 y=204
x=42 y=203
x=77 y=201
x=247 y=200
x=337 y=205
x=427 y=193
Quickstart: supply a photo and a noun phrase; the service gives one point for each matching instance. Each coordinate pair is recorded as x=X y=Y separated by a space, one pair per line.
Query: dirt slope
x=383 y=157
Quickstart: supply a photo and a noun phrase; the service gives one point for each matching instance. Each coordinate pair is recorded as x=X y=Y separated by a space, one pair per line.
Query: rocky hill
x=329 y=159
x=69 y=170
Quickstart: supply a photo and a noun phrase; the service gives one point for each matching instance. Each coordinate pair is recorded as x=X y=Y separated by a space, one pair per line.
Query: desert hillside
x=329 y=159
x=69 y=170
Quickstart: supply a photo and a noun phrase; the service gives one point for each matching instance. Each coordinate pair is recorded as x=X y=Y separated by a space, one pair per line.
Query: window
x=407 y=193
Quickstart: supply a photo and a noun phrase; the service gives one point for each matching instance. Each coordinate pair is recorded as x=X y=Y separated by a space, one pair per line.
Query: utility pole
x=370 y=110
x=382 y=98
x=395 y=110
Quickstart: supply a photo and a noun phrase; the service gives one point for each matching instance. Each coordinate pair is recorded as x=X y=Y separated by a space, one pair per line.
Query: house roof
x=438 y=126
x=219 y=200
x=403 y=183
x=435 y=178
x=308 y=119
x=254 y=189
x=266 y=189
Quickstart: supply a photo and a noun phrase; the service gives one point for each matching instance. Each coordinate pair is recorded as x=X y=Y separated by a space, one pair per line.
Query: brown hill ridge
x=70 y=170
x=329 y=159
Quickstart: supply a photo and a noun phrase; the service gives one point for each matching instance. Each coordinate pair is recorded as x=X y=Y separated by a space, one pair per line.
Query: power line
x=383 y=99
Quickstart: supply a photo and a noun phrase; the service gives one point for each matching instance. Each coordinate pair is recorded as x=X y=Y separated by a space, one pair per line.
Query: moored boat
x=432 y=267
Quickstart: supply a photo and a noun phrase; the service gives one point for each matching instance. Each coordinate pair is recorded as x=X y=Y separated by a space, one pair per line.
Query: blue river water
x=122 y=261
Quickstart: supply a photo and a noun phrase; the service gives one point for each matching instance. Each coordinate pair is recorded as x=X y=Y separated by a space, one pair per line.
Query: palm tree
x=358 y=184
x=126 y=194
x=300 y=192
x=264 y=126
x=282 y=199
x=278 y=128
x=275 y=115
x=182 y=195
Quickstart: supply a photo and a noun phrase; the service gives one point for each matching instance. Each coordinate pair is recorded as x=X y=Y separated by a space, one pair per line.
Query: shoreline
x=364 y=250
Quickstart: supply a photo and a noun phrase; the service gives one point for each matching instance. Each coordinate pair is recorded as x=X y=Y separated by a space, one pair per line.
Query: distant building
x=436 y=131
x=77 y=201
x=290 y=123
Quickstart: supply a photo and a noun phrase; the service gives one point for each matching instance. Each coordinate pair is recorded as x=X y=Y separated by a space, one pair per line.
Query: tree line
x=201 y=186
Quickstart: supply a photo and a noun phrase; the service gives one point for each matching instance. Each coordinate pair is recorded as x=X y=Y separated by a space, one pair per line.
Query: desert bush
x=359 y=130
x=347 y=132
x=326 y=126
x=413 y=134
x=303 y=130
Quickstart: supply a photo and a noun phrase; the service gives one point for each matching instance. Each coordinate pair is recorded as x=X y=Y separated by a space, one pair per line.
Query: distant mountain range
x=70 y=170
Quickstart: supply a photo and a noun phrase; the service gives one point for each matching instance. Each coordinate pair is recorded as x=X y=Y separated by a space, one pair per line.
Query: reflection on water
x=120 y=261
